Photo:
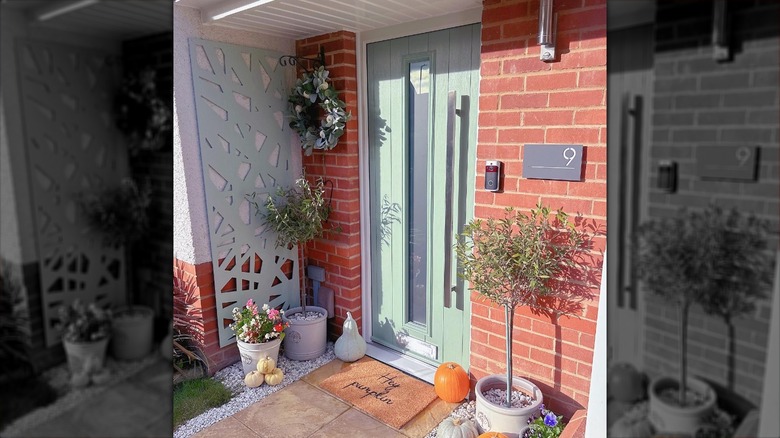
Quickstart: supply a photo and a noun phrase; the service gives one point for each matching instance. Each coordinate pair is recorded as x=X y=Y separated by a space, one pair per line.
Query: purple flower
x=550 y=419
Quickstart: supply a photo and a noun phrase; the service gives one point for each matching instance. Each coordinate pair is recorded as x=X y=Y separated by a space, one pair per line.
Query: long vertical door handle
x=625 y=116
x=451 y=113
x=630 y=166
x=635 y=171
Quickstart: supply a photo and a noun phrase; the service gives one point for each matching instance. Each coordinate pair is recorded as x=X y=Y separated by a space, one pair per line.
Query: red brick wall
x=200 y=278
x=700 y=102
x=524 y=100
x=339 y=254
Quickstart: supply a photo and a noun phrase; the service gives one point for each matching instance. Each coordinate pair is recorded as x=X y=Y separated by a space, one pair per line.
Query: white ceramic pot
x=305 y=340
x=132 y=333
x=671 y=419
x=509 y=421
x=83 y=354
x=252 y=353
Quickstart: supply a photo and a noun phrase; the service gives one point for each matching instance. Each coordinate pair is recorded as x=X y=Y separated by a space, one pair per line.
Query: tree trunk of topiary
x=732 y=353
x=683 y=350
x=302 y=273
x=509 y=312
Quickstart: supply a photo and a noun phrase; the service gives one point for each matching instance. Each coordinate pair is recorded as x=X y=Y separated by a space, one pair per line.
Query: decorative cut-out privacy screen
x=240 y=100
x=72 y=148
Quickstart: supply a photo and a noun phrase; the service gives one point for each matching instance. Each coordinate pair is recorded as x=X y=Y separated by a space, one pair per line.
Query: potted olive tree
x=297 y=215
x=120 y=214
x=712 y=258
x=521 y=260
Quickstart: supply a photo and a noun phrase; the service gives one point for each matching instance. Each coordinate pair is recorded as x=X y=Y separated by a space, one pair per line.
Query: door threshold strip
x=409 y=365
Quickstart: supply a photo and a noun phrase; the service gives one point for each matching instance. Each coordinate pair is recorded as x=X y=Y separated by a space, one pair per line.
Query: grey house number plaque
x=553 y=161
x=727 y=162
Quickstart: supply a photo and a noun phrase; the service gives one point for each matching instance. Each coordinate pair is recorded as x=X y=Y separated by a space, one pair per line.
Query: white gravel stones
x=310 y=316
x=233 y=378
x=498 y=397
x=466 y=411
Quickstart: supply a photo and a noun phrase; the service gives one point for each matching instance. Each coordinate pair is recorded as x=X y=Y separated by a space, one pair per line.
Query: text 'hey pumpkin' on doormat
x=383 y=392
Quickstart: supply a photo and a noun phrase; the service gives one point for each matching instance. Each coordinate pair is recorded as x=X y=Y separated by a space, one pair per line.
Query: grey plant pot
x=671 y=419
x=509 y=421
x=132 y=333
x=305 y=340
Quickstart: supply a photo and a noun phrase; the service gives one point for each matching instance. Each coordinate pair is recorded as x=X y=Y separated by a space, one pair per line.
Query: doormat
x=378 y=390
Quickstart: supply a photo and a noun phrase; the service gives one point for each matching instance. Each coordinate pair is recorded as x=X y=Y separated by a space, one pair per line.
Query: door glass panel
x=419 y=93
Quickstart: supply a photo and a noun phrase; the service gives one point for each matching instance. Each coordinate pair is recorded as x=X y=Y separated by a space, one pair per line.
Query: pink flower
x=249 y=303
x=254 y=310
x=273 y=313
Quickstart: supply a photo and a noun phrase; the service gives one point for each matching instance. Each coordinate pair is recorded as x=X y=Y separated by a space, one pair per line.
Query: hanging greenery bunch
x=119 y=213
x=313 y=96
x=141 y=115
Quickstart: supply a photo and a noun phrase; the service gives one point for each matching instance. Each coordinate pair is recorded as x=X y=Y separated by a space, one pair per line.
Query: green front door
x=422 y=102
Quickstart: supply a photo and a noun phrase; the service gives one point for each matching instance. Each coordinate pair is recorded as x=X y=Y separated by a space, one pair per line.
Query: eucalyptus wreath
x=311 y=90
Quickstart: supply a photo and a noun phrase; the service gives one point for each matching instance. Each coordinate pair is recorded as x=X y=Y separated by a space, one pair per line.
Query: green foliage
x=296 y=214
x=314 y=88
x=711 y=257
x=141 y=114
x=187 y=350
x=13 y=341
x=546 y=425
x=118 y=213
x=522 y=259
x=193 y=397
x=84 y=323
x=254 y=326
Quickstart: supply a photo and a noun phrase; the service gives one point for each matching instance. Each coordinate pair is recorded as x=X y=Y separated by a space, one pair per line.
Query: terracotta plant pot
x=305 y=340
x=132 y=333
x=79 y=354
x=509 y=421
x=669 y=418
x=251 y=353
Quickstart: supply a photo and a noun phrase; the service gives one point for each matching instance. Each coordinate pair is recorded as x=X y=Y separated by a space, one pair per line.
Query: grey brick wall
x=701 y=102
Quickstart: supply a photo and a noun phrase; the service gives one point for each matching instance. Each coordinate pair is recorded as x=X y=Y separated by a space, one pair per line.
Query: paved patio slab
x=302 y=409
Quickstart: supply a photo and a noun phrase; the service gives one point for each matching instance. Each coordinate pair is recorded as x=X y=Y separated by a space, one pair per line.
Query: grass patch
x=28 y=394
x=193 y=397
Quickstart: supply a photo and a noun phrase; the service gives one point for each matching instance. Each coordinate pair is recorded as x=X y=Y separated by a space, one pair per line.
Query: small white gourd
x=254 y=379
x=457 y=428
x=266 y=365
x=350 y=346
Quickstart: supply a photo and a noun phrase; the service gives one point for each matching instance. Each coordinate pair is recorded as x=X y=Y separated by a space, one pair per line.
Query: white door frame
x=404 y=363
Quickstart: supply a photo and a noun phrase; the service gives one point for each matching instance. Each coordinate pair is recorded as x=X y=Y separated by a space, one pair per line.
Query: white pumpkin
x=350 y=346
x=457 y=428
x=266 y=365
x=79 y=380
x=275 y=377
x=254 y=379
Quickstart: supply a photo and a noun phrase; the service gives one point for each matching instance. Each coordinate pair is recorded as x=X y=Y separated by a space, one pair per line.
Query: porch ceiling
x=107 y=20
x=298 y=19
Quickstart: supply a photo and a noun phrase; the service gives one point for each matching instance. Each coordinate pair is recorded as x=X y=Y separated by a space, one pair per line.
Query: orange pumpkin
x=492 y=435
x=451 y=382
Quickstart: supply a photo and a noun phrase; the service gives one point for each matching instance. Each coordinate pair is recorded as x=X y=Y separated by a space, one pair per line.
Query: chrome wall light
x=720 y=32
x=548 y=22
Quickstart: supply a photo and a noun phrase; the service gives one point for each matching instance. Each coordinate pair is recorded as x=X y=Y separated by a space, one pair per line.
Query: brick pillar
x=198 y=280
x=524 y=100
x=339 y=254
